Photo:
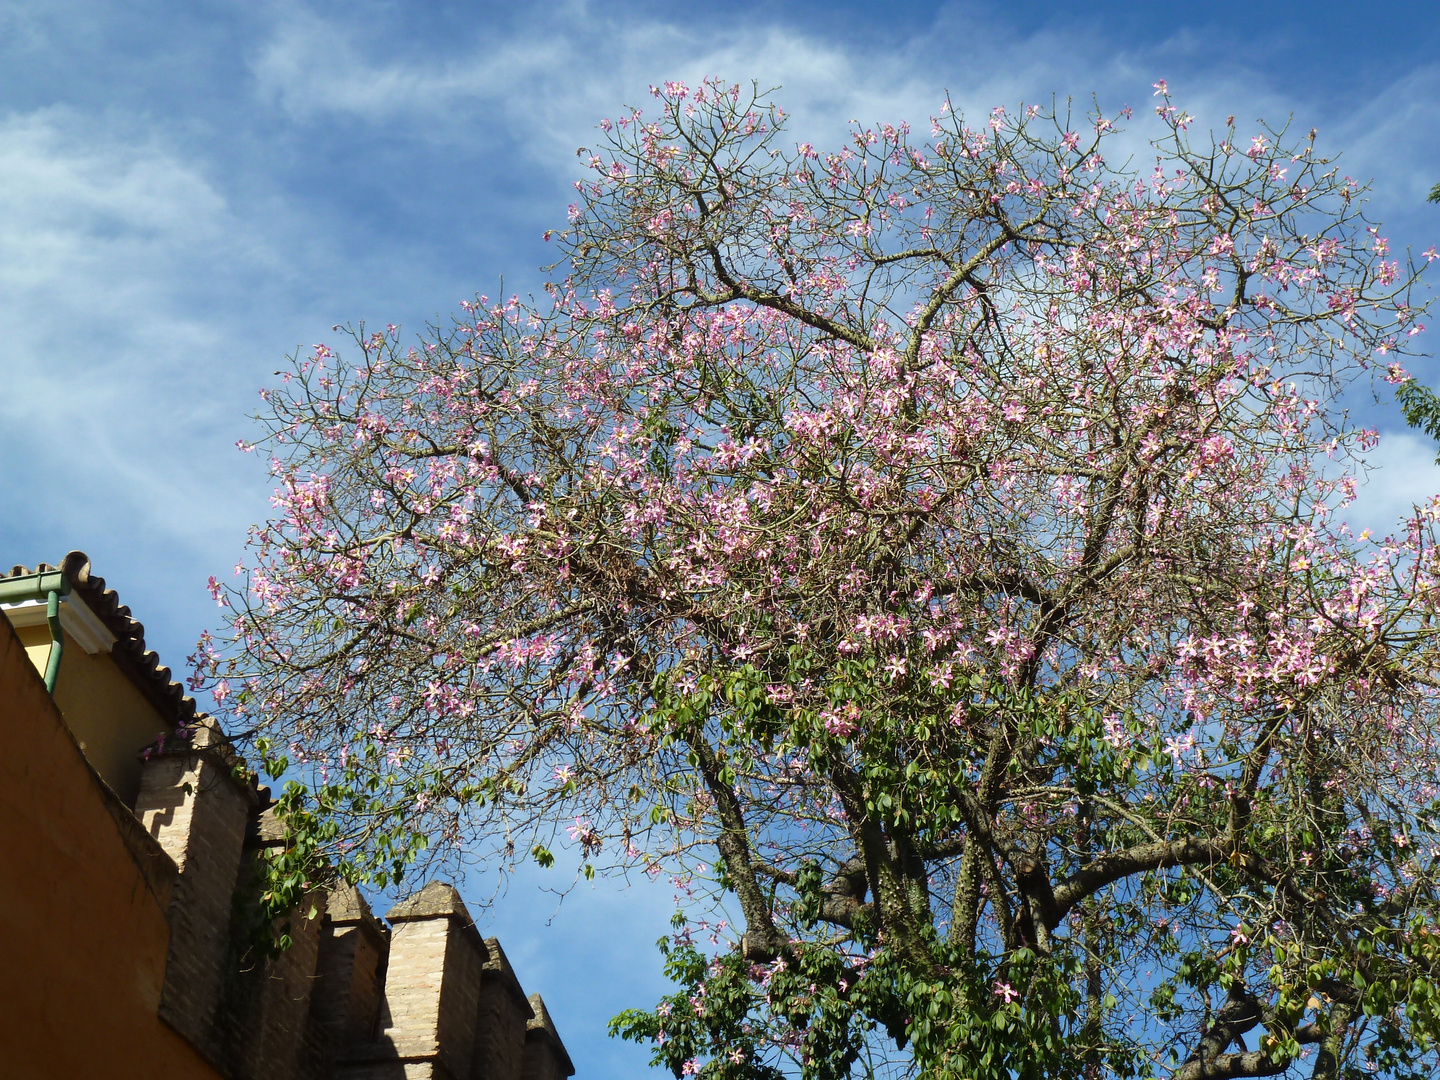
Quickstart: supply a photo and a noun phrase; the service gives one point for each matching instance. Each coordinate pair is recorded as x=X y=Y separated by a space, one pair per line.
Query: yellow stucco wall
x=36 y=640
x=86 y=932
x=111 y=719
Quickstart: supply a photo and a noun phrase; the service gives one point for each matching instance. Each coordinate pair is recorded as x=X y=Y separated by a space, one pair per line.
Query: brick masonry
x=505 y=1011
x=545 y=1056
x=191 y=803
x=424 y=998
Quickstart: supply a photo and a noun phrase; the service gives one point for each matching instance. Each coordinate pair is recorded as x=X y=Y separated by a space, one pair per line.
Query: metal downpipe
x=50 y=586
x=57 y=640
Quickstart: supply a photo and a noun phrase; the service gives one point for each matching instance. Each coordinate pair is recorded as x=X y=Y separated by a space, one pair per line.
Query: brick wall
x=504 y=1013
x=191 y=802
x=131 y=891
x=352 y=998
x=354 y=950
x=84 y=897
x=545 y=1056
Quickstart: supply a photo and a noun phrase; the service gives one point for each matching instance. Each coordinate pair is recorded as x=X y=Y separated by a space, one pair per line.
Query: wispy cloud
x=551 y=77
x=548 y=76
x=112 y=249
x=1403 y=475
x=1390 y=138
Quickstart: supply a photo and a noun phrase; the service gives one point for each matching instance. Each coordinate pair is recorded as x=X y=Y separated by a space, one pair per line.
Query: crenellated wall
x=192 y=803
x=129 y=947
x=350 y=974
x=353 y=998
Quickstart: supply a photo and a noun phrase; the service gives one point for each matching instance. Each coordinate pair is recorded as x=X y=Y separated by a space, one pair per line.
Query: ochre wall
x=37 y=644
x=85 y=930
x=111 y=719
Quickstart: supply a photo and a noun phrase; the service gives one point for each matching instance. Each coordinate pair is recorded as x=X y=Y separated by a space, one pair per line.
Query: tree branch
x=1120 y=864
x=1239 y=1014
x=761 y=941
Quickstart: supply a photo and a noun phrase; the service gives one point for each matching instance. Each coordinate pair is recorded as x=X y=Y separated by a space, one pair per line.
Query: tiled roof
x=140 y=664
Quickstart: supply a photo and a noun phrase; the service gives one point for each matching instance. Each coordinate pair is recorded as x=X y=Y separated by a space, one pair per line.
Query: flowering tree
x=930 y=553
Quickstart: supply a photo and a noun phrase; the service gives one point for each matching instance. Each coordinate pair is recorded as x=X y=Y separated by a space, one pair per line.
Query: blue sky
x=191 y=190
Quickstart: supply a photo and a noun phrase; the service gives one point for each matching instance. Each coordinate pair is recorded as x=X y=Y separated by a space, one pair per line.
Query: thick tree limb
x=1332 y=1044
x=1228 y=1066
x=842 y=897
x=1239 y=1014
x=762 y=940
x=1034 y=884
x=1089 y=879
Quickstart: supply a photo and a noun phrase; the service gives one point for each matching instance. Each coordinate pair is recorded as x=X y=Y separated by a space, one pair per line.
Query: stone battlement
x=353 y=998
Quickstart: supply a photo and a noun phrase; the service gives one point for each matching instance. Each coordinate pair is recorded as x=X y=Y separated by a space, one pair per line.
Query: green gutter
x=50 y=587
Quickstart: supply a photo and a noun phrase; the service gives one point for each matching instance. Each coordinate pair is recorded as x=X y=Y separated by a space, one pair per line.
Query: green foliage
x=307 y=859
x=1019 y=1018
x=1421 y=407
x=709 y=1019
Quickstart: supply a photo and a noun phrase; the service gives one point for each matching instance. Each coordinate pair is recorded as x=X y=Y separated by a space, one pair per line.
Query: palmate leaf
x=1421 y=406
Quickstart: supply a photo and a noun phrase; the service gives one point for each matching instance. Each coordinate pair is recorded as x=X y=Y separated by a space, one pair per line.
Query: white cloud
x=1390 y=138
x=1402 y=475
x=105 y=243
x=549 y=81
x=544 y=83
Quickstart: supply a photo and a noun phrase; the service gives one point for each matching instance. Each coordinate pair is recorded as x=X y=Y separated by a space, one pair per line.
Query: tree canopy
x=931 y=553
